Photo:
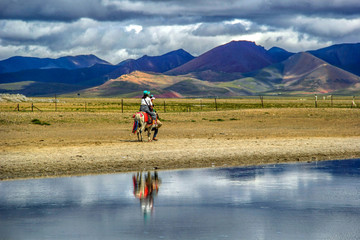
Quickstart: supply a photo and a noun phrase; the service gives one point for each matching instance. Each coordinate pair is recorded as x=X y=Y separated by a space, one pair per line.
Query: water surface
x=318 y=200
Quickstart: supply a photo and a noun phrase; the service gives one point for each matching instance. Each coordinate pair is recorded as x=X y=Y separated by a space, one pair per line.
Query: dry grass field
x=174 y=104
x=99 y=140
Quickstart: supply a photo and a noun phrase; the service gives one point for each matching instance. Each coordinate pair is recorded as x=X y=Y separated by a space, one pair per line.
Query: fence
x=179 y=105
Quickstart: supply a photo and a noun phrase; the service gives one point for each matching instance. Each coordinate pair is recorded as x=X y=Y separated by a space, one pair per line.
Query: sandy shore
x=88 y=143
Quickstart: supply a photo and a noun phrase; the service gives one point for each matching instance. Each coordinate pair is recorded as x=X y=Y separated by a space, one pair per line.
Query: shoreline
x=99 y=143
x=44 y=162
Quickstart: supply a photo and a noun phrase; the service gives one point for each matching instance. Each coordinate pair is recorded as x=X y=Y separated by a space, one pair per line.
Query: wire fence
x=127 y=105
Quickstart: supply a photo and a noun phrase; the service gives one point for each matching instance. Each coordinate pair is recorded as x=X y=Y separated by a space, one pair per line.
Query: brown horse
x=140 y=125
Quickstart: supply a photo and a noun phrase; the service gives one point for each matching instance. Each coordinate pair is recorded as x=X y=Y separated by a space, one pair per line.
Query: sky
x=116 y=30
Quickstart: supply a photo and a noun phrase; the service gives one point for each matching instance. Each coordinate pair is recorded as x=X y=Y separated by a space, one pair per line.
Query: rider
x=159 y=124
x=147 y=106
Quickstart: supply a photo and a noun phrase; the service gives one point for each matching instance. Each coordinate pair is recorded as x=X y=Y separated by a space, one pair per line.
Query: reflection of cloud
x=284 y=202
x=202 y=184
x=85 y=190
x=222 y=186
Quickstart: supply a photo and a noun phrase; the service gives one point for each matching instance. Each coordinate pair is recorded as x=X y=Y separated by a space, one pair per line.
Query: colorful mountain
x=133 y=84
x=234 y=69
x=157 y=64
x=233 y=57
x=345 y=56
x=305 y=73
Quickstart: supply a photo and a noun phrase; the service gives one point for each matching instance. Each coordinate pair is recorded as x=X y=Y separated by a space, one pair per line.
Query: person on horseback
x=159 y=124
x=147 y=106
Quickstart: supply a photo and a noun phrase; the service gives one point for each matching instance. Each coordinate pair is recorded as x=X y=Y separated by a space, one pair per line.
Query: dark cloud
x=318 y=7
x=64 y=10
x=120 y=10
x=120 y=29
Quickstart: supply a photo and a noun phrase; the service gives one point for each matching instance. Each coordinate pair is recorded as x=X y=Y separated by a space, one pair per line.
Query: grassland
x=75 y=140
x=129 y=105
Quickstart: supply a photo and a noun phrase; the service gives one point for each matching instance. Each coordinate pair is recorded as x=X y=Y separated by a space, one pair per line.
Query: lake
x=317 y=200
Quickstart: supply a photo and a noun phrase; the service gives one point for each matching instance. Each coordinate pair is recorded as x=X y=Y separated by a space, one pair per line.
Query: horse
x=140 y=125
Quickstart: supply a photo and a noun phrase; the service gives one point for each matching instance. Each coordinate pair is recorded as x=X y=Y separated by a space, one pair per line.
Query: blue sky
x=116 y=30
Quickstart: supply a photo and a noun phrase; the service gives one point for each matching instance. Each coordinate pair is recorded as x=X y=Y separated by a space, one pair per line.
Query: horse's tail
x=135 y=126
x=136 y=122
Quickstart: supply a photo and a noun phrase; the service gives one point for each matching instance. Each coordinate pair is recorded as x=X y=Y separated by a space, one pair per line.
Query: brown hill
x=134 y=84
x=305 y=72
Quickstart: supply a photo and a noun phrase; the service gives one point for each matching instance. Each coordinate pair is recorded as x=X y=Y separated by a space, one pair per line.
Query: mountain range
x=16 y=64
x=233 y=69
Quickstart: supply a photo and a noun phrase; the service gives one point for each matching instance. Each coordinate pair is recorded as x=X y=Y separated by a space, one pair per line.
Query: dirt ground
x=94 y=143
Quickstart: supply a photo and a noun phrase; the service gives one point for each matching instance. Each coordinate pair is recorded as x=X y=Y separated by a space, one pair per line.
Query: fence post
x=200 y=105
x=164 y=106
x=122 y=105
x=85 y=106
x=215 y=104
x=353 y=104
x=32 y=107
x=17 y=107
x=331 y=97
x=315 y=101
x=55 y=103
x=262 y=101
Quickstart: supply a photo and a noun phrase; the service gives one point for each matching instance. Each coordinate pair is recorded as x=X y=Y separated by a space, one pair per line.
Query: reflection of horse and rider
x=147 y=119
x=146 y=186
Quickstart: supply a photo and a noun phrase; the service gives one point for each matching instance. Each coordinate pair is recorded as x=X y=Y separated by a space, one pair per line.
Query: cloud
x=215 y=29
x=327 y=27
x=123 y=10
x=21 y=31
x=119 y=29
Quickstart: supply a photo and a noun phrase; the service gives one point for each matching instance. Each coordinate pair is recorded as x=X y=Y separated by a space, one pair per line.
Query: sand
x=98 y=143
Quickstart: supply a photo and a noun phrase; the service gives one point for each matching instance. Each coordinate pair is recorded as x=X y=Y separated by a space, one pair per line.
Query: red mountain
x=236 y=56
x=305 y=72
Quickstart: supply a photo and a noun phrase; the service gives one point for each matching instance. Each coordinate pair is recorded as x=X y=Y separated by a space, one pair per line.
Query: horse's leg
x=138 y=135
x=149 y=134
x=141 y=131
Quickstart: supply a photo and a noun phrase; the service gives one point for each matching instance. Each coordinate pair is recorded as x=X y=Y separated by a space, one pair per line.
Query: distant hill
x=236 y=56
x=82 y=76
x=302 y=73
x=345 y=56
x=305 y=73
x=161 y=63
x=234 y=69
x=43 y=82
x=157 y=64
x=133 y=84
x=279 y=54
x=16 y=64
x=69 y=80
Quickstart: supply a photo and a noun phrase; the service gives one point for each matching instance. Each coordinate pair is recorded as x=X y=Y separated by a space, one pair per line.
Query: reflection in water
x=146 y=186
x=288 y=201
